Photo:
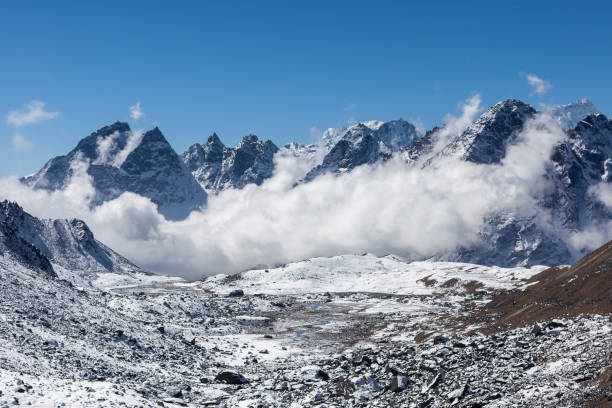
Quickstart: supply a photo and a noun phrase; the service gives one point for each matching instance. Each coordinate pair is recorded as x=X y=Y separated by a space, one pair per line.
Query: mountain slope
x=64 y=247
x=559 y=292
x=579 y=162
x=485 y=140
x=14 y=248
x=120 y=160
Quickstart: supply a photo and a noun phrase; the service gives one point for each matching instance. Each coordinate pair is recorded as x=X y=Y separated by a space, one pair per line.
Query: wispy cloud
x=540 y=86
x=315 y=133
x=350 y=107
x=136 y=111
x=21 y=143
x=32 y=112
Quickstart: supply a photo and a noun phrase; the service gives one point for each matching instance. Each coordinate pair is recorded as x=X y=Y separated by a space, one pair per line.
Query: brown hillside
x=584 y=288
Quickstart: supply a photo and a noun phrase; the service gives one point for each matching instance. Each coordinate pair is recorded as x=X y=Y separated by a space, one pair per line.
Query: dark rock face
x=217 y=167
x=231 y=377
x=236 y=293
x=119 y=161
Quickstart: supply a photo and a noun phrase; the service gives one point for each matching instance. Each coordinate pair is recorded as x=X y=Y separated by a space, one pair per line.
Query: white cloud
x=418 y=126
x=603 y=192
x=136 y=111
x=109 y=148
x=132 y=143
x=350 y=107
x=106 y=147
x=33 y=112
x=540 y=86
x=21 y=143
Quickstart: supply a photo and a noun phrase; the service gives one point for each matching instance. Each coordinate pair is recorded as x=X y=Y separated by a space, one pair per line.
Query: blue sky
x=278 y=69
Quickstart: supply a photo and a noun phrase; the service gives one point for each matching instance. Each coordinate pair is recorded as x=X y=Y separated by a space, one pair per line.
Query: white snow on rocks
x=367 y=273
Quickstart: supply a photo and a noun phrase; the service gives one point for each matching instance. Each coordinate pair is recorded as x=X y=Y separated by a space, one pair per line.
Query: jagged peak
x=250 y=138
x=153 y=135
x=501 y=111
x=510 y=105
x=214 y=139
x=112 y=128
x=359 y=128
x=396 y=123
x=252 y=141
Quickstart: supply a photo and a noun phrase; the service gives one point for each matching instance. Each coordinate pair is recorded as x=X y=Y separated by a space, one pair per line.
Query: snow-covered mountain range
x=217 y=167
x=121 y=160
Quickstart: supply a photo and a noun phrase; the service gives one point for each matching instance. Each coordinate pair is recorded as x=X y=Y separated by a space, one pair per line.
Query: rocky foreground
x=415 y=335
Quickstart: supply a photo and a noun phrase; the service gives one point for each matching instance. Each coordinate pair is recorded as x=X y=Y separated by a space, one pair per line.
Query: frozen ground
x=330 y=332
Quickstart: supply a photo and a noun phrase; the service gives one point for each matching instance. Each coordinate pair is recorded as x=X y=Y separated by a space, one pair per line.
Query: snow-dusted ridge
x=68 y=250
x=368 y=273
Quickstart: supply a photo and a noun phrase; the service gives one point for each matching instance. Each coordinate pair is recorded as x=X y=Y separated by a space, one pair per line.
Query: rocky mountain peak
x=397 y=134
x=569 y=115
x=121 y=160
x=213 y=140
x=217 y=167
x=114 y=127
x=248 y=139
x=486 y=139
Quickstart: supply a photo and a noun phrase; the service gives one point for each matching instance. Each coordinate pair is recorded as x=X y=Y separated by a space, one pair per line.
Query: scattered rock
x=398 y=383
x=236 y=293
x=231 y=377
